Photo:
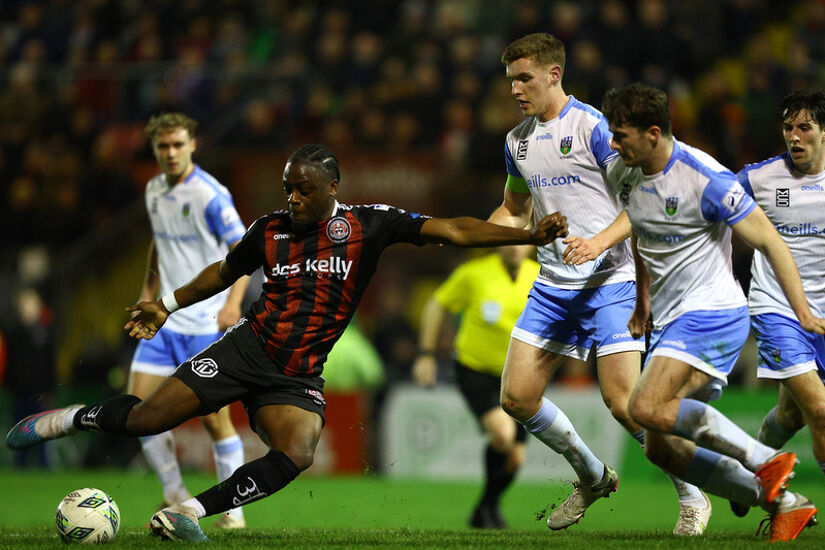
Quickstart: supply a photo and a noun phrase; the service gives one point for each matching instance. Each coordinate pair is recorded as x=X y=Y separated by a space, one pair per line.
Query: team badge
x=521 y=151
x=185 y=209
x=566 y=144
x=671 y=203
x=783 y=198
x=338 y=229
x=777 y=355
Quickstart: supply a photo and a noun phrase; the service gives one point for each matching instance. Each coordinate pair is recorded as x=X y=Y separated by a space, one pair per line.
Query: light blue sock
x=228 y=455
x=723 y=476
x=552 y=427
x=772 y=433
x=707 y=427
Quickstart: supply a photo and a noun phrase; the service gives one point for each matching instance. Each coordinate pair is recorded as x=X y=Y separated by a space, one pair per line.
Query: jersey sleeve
x=250 y=252
x=393 y=225
x=454 y=293
x=515 y=181
x=223 y=219
x=743 y=177
x=725 y=200
x=600 y=144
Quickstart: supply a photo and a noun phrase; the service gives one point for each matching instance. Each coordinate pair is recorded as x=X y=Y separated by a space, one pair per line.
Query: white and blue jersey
x=561 y=164
x=682 y=217
x=193 y=222
x=795 y=204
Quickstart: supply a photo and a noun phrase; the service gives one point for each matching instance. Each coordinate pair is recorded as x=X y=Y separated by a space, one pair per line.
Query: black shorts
x=236 y=367
x=482 y=392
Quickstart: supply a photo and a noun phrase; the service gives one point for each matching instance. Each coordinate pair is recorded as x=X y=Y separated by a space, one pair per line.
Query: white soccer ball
x=87 y=516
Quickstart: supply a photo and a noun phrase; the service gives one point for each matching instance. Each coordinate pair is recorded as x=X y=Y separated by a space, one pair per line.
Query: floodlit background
x=409 y=94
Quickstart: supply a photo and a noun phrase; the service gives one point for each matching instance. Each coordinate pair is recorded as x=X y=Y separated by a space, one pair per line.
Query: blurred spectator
x=30 y=374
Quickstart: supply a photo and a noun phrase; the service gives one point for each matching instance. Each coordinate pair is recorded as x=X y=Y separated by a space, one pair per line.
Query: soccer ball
x=88 y=516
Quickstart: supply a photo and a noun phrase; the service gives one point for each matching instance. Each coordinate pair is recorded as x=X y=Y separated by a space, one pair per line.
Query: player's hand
x=148 y=317
x=549 y=228
x=640 y=323
x=424 y=370
x=228 y=316
x=813 y=324
x=581 y=250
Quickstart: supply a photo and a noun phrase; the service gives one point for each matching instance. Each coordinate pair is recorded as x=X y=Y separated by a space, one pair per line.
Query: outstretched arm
x=152 y=314
x=470 y=232
x=758 y=231
x=580 y=250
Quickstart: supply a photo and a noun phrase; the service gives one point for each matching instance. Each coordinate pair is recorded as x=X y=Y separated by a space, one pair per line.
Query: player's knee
x=303 y=457
x=500 y=441
x=642 y=412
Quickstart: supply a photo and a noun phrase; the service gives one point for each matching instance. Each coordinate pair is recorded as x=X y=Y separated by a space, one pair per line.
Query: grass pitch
x=367 y=512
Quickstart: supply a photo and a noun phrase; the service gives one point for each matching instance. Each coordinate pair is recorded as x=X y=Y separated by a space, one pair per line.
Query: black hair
x=319 y=156
x=804 y=100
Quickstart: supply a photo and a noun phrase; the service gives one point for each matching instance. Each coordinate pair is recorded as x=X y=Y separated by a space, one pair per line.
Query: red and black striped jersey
x=315 y=279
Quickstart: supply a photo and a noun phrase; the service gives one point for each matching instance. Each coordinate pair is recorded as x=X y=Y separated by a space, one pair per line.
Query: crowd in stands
x=82 y=76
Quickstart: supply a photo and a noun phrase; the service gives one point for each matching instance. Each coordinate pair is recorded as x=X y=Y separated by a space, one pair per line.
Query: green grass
x=366 y=512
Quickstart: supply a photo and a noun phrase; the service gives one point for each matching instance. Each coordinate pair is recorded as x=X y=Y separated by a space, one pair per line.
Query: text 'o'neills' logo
x=566 y=144
x=338 y=229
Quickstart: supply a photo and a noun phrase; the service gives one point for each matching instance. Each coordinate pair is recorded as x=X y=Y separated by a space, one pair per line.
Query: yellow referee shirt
x=489 y=302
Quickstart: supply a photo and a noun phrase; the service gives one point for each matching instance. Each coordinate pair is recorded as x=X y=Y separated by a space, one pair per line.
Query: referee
x=488 y=294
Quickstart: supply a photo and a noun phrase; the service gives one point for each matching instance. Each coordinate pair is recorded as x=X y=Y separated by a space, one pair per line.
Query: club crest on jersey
x=521 y=150
x=338 y=229
x=783 y=198
x=185 y=209
x=671 y=203
x=566 y=144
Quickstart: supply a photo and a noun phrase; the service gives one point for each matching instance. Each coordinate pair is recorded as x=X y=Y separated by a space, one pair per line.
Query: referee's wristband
x=170 y=303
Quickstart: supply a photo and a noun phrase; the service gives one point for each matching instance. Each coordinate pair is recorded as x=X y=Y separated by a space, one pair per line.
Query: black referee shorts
x=482 y=391
x=236 y=367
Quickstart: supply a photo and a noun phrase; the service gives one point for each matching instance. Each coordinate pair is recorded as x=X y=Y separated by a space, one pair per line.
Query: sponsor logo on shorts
x=205 y=367
x=783 y=197
x=776 y=355
x=316 y=396
x=622 y=335
x=674 y=344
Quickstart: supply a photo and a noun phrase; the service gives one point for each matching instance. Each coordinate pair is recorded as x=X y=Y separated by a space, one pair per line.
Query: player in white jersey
x=555 y=161
x=683 y=205
x=194 y=221
x=790 y=188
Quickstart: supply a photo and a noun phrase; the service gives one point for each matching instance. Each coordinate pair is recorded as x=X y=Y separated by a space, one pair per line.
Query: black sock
x=252 y=481
x=497 y=477
x=108 y=416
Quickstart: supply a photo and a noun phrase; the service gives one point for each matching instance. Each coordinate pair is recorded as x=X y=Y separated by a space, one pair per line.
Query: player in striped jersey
x=193 y=221
x=555 y=161
x=682 y=206
x=317 y=256
x=790 y=188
